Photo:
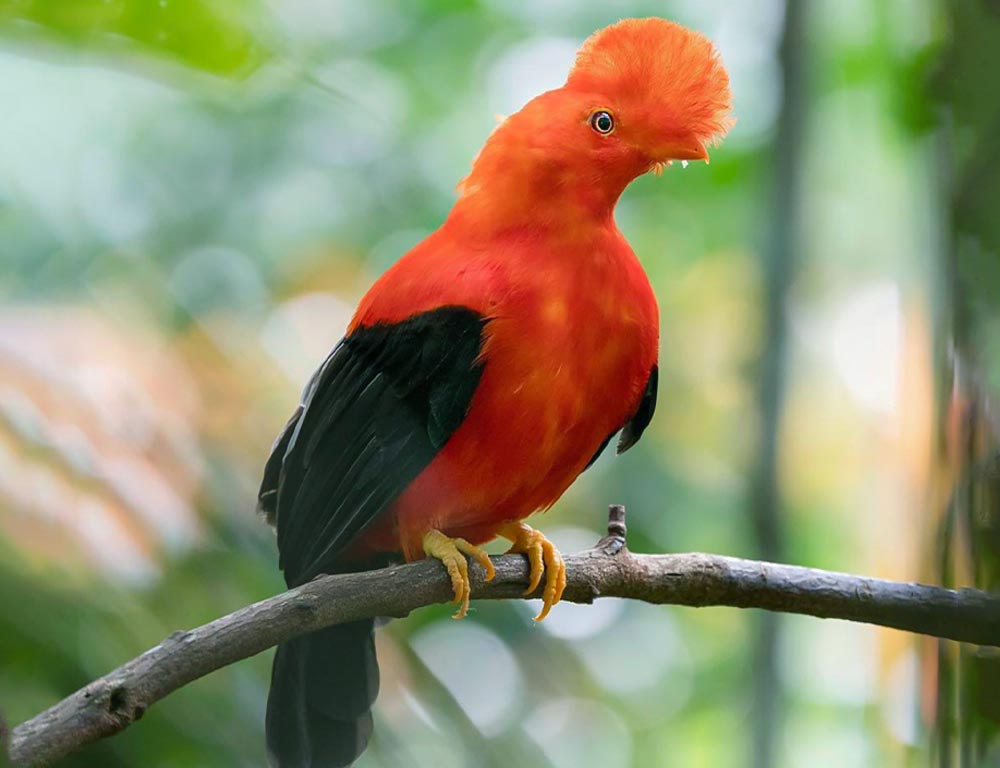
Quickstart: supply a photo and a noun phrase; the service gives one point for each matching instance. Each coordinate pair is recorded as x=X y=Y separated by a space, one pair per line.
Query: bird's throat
x=539 y=197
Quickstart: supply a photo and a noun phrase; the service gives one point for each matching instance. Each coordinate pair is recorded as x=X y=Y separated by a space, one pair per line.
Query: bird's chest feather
x=568 y=353
x=567 y=346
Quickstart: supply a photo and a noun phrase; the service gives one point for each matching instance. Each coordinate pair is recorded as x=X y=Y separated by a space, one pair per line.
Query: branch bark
x=113 y=702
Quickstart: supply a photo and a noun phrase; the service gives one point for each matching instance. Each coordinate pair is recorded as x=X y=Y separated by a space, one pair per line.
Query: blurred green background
x=194 y=194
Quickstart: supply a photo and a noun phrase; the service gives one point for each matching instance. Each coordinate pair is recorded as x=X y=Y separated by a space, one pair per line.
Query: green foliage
x=218 y=37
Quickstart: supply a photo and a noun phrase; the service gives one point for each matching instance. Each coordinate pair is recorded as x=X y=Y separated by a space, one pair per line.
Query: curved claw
x=451 y=553
x=543 y=557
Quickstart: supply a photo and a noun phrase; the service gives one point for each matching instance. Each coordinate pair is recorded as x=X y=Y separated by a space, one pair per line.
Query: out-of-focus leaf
x=217 y=36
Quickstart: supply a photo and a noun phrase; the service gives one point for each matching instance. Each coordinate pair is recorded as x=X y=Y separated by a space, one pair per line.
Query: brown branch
x=115 y=701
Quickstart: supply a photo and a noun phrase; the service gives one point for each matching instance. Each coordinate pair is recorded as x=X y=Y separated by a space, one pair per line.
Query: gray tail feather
x=323 y=686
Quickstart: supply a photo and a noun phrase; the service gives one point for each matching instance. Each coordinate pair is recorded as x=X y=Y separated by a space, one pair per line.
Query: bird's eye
x=602 y=122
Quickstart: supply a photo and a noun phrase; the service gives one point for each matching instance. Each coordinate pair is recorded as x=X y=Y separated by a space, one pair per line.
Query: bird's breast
x=569 y=352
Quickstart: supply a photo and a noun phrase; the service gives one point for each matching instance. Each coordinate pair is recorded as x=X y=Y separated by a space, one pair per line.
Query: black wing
x=634 y=427
x=372 y=418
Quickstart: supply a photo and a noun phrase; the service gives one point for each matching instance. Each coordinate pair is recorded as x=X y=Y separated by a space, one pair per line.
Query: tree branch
x=115 y=701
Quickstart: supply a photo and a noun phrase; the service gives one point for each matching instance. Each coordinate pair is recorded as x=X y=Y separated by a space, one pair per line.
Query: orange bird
x=487 y=368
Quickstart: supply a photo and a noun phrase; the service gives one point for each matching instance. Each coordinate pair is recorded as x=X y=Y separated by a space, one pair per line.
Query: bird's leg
x=451 y=552
x=542 y=556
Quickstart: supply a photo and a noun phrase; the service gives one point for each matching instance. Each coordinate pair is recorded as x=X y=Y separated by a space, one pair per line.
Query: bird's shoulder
x=438 y=272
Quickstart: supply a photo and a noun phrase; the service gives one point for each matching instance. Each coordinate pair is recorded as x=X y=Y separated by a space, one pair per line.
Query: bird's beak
x=687 y=150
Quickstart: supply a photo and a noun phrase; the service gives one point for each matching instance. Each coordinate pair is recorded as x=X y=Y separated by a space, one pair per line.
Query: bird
x=487 y=368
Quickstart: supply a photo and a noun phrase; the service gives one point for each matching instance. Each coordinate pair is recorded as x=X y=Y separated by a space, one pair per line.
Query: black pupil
x=603 y=122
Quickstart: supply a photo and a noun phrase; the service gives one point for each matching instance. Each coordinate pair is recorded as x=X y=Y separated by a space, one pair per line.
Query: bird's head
x=641 y=93
x=649 y=88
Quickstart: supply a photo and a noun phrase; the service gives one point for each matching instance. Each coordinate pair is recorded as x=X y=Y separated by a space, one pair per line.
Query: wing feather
x=632 y=430
x=635 y=426
x=373 y=416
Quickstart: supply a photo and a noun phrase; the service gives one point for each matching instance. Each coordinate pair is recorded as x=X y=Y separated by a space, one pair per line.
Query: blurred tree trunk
x=779 y=267
x=962 y=687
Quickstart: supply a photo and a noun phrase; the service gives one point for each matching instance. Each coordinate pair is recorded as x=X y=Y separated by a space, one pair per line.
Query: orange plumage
x=485 y=370
x=532 y=244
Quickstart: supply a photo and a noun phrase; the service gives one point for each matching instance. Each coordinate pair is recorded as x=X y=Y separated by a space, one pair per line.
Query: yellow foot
x=451 y=552
x=542 y=556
